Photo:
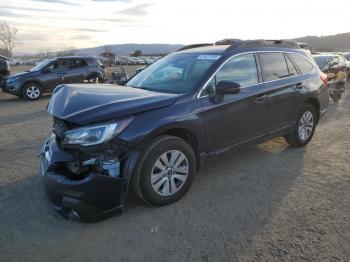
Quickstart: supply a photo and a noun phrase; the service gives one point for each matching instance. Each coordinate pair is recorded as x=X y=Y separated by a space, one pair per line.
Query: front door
x=234 y=118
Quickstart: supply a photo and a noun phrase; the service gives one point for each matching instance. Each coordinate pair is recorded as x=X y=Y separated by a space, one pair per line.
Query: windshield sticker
x=209 y=57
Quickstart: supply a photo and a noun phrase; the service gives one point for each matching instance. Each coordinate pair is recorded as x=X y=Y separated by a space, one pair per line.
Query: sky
x=54 y=25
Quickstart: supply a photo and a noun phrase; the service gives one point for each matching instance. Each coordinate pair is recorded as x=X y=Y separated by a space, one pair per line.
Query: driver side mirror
x=227 y=87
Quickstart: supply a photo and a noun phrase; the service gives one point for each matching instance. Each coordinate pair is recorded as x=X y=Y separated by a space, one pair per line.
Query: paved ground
x=264 y=203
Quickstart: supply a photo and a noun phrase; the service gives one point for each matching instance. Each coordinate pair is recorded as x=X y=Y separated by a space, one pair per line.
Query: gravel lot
x=264 y=203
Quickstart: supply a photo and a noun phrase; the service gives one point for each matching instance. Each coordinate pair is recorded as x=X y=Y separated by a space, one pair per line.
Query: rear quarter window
x=302 y=63
x=273 y=66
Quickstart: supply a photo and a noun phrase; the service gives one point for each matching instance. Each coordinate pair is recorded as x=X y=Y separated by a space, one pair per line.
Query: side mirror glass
x=227 y=87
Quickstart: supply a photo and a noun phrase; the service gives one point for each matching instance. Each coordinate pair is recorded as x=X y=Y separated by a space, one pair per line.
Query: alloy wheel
x=169 y=173
x=306 y=125
x=33 y=92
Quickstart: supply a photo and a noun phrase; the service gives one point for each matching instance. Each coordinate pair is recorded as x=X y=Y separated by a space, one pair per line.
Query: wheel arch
x=184 y=134
x=316 y=104
x=34 y=82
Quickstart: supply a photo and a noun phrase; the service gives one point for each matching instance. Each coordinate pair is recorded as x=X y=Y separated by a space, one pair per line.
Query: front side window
x=240 y=69
x=303 y=64
x=273 y=66
x=177 y=73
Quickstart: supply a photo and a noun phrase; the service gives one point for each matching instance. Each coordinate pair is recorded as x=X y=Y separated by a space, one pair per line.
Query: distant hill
x=339 y=42
x=126 y=49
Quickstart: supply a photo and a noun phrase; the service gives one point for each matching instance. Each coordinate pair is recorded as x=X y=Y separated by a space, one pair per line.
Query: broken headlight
x=95 y=135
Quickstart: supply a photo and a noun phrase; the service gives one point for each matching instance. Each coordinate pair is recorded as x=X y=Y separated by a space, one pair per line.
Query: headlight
x=95 y=135
x=11 y=79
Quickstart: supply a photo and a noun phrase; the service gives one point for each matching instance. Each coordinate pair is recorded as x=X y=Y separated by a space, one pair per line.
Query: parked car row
x=140 y=60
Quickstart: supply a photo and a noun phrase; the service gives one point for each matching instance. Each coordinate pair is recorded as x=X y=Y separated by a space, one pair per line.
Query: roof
x=73 y=57
x=5 y=58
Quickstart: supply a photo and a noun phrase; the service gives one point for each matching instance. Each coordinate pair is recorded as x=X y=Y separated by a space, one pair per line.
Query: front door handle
x=260 y=99
x=61 y=75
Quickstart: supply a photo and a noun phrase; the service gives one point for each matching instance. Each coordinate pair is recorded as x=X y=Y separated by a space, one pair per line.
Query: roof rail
x=237 y=43
x=228 y=41
x=265 y=43
x=194 y=46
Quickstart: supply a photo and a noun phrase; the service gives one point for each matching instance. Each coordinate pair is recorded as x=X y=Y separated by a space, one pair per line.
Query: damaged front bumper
x=88 y=198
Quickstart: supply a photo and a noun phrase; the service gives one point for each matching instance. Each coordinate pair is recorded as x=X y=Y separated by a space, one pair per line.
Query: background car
x=45 y=76
x=4 y=67
x=347 y=59
x=334 y=66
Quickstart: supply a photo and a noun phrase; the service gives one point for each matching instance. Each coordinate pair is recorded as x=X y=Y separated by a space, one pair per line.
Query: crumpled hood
x=82 y=104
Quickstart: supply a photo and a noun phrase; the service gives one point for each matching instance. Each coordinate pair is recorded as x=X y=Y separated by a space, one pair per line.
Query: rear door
x=283 y=85
x=234 y=118
x=77 y=69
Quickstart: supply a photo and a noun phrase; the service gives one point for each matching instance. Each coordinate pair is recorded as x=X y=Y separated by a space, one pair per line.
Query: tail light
x=324 y=79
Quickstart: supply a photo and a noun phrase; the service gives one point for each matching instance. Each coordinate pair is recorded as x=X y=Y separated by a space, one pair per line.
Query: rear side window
x=76 y=63
x=273 y=66
x=303 y=64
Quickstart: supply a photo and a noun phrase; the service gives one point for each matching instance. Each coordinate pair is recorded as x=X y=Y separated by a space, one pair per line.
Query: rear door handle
x=300 y=85
x=260 y=98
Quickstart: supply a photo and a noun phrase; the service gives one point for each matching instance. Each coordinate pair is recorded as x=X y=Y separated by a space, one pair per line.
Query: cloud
x=136 y=10
x=26 y=8
x=63 y=2
x=7 y=13
x=91 y=30
x=31 y=37
x=80 y=37
x=126 y=1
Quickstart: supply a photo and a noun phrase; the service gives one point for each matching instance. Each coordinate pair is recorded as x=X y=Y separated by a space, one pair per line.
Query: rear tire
x=304 y=128
x=32 y=91
x=165 y=171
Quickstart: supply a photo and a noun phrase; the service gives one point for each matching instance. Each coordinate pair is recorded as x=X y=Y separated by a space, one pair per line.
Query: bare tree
x=8 y=36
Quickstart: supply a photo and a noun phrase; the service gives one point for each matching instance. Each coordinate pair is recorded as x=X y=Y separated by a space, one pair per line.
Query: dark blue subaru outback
x=152 y=134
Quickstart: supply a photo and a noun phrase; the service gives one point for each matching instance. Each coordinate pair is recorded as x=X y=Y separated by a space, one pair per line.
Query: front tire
x=165 y=171
x=304 y=128
x=32 y=91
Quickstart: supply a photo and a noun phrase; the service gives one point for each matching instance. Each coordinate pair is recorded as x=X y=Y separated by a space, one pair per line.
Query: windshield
x=322 y=61
x=40 y=66
x=176 y=73
x=347 y=56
